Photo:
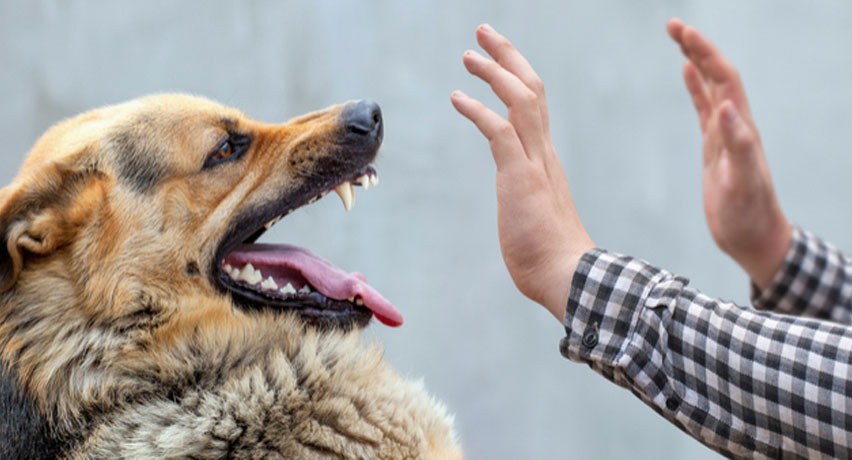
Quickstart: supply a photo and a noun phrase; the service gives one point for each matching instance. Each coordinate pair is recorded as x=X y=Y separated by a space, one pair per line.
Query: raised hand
x=740 y=204
x=541 y=236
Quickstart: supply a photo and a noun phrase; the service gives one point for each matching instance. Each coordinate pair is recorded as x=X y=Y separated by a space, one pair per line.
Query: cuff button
x=672 y=404
x=590 y=337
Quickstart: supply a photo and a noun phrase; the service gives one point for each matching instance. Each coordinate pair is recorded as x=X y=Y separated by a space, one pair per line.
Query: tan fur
x=130 y=352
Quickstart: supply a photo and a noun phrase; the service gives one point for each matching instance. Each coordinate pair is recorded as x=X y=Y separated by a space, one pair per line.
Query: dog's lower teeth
x=288 y=289
x=305 y=289
x=249 y=275
x=269 y=284
x=359 y=302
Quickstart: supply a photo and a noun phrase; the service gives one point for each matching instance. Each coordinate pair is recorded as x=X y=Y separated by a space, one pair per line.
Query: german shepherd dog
x=138 y=319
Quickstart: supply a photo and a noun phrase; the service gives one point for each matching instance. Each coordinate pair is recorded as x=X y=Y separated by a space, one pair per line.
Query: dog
x=138 y=319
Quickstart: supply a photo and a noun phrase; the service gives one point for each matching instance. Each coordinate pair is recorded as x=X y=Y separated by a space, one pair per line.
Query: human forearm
x=747 y=384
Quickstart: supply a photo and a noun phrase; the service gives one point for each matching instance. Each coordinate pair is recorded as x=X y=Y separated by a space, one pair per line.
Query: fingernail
x=488 y=28
x=458 y=94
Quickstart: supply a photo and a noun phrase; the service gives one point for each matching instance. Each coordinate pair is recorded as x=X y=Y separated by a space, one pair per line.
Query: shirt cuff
x=809 y=281
x=607 y=293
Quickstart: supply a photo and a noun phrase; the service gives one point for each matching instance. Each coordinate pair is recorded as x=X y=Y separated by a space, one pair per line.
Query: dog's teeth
x=364 y=181
x=305 y=289
x=257 y=277
x=228 y=268
x=288 y=289
x=272 y=222
x=374 y=180
x=359 y=302
x=249 y=275
x=269 y=284
x=351 y=299
x=347 y=194
x=240 y=274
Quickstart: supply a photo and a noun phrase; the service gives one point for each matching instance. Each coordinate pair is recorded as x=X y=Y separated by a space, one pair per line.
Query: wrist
x=762 y=265
x=555 y=295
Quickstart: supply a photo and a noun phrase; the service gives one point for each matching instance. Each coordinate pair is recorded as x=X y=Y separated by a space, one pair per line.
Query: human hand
x=541 y=236
x=740 y=204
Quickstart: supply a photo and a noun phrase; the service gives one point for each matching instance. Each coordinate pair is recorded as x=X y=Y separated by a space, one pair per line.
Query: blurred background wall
x=426 y=237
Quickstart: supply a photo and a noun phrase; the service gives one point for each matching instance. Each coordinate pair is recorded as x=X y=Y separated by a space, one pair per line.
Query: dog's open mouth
x=290 y=277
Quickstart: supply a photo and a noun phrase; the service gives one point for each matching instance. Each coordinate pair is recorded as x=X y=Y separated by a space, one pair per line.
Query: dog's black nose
x=364 y=118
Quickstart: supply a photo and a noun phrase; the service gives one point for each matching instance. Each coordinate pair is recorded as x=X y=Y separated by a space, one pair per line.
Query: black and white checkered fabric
x=747 y=383
x=815 y=281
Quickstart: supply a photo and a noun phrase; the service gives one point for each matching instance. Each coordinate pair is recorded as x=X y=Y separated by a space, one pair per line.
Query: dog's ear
x=40 y=212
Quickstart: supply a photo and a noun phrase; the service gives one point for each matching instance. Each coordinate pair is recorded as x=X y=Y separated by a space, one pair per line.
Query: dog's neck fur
x=238 y=387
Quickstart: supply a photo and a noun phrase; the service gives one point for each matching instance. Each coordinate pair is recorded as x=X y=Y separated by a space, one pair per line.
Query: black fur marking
x=139 y=165
x=6 y=266
x=24 y=433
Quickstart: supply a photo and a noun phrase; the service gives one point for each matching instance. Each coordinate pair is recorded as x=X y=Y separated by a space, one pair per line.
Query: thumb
x=739 y=137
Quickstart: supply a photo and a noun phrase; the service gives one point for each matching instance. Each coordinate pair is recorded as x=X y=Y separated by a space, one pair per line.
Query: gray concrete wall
x=426 y=237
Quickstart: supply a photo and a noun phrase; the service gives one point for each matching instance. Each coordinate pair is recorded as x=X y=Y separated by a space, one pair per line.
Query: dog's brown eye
x=225 y=150
x=230 y=149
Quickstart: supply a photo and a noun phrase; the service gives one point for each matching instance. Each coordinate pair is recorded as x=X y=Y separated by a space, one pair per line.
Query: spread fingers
x=522 y=102
x=502 y=50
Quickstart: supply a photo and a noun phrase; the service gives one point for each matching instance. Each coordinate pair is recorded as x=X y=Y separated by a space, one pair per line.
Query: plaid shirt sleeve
x=746 y=383
x=815 y=280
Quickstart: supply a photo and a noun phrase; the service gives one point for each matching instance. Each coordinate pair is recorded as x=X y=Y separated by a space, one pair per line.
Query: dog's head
x=162 y=197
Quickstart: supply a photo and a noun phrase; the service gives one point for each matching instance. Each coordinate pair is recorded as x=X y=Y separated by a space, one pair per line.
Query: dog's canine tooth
x=364 y=181
x=228 y=268
x=359 y=302
x=347 y=194
x=269 y=284
x=288 y=289
x=351 y=299
x=374 y=180
x=305 y=289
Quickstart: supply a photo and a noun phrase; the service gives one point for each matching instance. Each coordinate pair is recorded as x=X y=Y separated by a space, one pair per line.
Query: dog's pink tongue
x=323 y=275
